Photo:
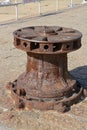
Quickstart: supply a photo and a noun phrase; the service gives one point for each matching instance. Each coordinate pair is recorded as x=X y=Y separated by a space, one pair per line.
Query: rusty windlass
x=46 y=84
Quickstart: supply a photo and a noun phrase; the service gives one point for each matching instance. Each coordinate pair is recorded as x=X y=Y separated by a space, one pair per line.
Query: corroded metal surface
x=46 y=84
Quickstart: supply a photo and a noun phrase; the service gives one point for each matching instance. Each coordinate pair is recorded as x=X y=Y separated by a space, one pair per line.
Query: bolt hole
x=30 y=99
x=67 y=46
x=15 y=90
x=13 y=85
x=56 y=46
x=22 y=92
x=25 y=44
x=41 y=100
x=19 y=30
x=21 y=104
x=34 y=45
x=46 y=47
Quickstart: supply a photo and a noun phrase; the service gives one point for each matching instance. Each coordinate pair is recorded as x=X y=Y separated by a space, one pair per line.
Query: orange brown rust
x=46 y=84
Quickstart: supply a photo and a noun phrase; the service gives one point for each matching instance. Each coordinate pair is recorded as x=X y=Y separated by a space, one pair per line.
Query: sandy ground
x=12 y=63
x=32 y=9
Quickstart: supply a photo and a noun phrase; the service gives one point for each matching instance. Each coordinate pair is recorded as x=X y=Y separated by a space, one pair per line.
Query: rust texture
x=46 y=84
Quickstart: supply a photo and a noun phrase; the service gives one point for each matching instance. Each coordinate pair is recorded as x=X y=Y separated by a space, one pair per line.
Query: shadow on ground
x=80 y=74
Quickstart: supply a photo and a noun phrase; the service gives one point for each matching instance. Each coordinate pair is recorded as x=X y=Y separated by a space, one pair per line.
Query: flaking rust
x=46 y=84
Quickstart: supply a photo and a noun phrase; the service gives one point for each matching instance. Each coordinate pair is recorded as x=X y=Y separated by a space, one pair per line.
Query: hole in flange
x=46 y=47
x=30 y=99
x=19 y=30
x=15 y=90
x=18 y=42
x=33 y=99
x=67 y=46
x=56 y=46
x=25 y=44
x=22 y=92
x=13 y=85
x=21 y=104
x=34 y=45
x=41 y=100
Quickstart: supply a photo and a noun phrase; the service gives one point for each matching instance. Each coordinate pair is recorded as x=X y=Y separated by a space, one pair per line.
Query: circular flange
x=47 y=39
x=59 y=104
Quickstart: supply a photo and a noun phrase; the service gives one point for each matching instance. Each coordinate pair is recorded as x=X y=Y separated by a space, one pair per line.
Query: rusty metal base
x=61 y=104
